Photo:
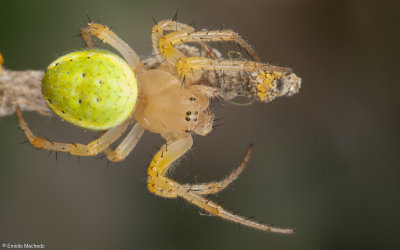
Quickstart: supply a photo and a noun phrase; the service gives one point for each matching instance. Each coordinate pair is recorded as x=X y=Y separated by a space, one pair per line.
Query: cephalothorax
x=97 y=90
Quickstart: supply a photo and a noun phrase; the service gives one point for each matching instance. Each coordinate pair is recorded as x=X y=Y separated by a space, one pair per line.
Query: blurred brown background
x=325 y=160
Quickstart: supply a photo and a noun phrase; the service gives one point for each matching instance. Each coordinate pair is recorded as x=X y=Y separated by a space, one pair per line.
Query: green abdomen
x=93 y=89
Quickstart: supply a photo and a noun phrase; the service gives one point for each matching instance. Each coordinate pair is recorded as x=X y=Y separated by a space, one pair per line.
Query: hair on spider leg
x=237 y=212
x=221 y=27
x=217 y=124
x=157 y=149
x=250 y=217
x=183 y=81
x=220 y=203
x=193 y=24
x=100 y=157
x=214 y=103
x=98 y=20
x=21 y=143
x=154 y=20
x=88 y=17
x=230 y=210
x=191 y=150
x=239 y=47
x=47 y=138
x=84 y=23
x=214 y=130
x=219 y=119
x=145 y=174
x=18 y=127
x=189 y=206
x=175 y=17
x=78 y=35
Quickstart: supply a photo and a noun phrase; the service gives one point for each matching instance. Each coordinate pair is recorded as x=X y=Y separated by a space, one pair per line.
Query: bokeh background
x=326 y=161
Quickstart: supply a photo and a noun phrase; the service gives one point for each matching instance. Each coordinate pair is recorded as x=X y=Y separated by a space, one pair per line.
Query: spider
x=97 y=90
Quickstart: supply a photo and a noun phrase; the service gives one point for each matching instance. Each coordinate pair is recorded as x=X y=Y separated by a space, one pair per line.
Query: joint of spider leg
x=47 y=139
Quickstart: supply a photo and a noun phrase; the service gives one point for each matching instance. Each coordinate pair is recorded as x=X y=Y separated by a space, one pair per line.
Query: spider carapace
x=97 y=90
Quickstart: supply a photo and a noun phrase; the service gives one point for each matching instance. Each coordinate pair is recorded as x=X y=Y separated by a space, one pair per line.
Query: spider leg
x=190 y=69
x=93 y=148
x=215 y=187
x=159 y=184
x=157 y=32
x=126 y=146
x=105 y=34
x=166 y=44
x=169 y=25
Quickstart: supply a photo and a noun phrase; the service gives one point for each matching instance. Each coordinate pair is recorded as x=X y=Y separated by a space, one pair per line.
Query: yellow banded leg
x=215 y=187
x=163 y=186
x=93 y=148
x=169 y=41
x=215 y=209
x=169 y=25
x=157 y=182
x=126 y=146
x=158 y=31
x=107 y=36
